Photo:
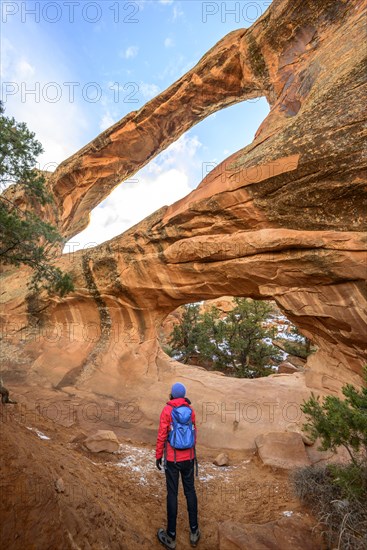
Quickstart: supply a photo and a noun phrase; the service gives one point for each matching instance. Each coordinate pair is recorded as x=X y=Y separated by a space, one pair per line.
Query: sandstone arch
x=283 y=218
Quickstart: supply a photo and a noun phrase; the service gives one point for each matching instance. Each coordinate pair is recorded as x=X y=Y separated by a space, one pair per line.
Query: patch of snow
x=206 y=477
x=288 y=336
x=38 y=432
x=288 y=513
x=139 y=461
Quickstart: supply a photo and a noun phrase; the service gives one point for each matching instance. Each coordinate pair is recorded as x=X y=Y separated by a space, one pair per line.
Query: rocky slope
x=282 y=219
x=55 y=494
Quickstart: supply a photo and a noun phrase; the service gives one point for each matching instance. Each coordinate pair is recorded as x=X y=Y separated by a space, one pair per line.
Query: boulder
x=288 y=533
x=103 y=440
x=221 y=460
x=60 y=485
x=297 y=428
x=282 y=450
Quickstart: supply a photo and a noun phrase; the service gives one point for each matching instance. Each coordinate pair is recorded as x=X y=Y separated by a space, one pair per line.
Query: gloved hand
x=158 y=463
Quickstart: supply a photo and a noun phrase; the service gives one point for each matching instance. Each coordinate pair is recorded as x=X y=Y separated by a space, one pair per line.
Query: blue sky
x=70 y=69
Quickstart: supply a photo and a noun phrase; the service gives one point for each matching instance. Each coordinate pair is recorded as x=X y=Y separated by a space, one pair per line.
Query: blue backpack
x=182 y=431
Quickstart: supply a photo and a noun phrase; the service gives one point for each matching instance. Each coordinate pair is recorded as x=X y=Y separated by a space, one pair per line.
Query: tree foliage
x=24 y=237
x=185 y=336
x=300 y=346
x=238 y=344
x=337 y=493
x=342 y=423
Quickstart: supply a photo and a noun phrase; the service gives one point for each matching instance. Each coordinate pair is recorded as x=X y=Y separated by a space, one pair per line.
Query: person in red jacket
x=177 y=461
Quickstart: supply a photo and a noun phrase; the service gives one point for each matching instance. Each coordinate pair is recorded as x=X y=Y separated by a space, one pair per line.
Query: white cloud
x=130 y=203
x=24 y=69
x=180 y=155
x=130 y=52
x=106 y=121
x=148 y=91
x=165 y=180
x=177 y=12
x=169 y=43
x=140 y=4
x=7 y=55
x=33 y=92
x=176 y=68
x=166 y=1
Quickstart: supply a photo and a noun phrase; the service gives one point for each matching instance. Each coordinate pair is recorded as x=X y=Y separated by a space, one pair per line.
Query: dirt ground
x=57 y=495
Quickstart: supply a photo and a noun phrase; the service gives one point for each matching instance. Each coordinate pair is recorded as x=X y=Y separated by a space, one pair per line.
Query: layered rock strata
x=282 y=219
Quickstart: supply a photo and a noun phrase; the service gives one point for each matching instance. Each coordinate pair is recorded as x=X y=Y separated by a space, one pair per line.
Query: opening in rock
x=239 y=337
x=174 y=173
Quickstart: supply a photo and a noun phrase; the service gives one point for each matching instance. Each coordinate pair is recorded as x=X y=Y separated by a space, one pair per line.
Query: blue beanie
x=178 y=390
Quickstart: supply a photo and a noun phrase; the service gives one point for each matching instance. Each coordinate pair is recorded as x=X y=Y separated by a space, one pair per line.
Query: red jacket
x=164 y=426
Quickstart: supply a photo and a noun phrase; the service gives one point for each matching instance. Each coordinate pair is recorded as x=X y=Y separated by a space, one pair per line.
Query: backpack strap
x=165 y=445
x=165 y=455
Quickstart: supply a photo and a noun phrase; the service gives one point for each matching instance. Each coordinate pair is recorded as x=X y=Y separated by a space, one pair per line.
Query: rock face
x=282 y=450
x=282 y=219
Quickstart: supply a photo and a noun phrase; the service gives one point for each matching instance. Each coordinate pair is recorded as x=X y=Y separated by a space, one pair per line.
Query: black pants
x=186 y=467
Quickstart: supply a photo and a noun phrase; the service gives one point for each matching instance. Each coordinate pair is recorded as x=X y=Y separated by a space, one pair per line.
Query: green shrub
x=237 y=344
x=25 y=239
x=337 y=493
x=340 y=422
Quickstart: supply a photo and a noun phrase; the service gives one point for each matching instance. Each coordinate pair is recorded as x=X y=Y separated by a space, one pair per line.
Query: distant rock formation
x=282 y=219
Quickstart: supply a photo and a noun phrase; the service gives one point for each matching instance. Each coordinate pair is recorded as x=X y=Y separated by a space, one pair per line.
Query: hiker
x=176 y=443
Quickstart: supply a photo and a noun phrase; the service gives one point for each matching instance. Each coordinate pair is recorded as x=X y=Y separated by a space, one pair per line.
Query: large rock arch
x=282 y=219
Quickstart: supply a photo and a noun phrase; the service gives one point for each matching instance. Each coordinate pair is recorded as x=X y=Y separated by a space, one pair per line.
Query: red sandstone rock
x=287 y=368
x=221 y=460
x=297 y=428
x=282 y=219
x=102 y=440
x=296 y=361
x=282 y=450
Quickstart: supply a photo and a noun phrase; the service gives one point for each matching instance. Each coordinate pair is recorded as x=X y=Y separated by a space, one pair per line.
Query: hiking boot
x=166 y=540
x=194 y=537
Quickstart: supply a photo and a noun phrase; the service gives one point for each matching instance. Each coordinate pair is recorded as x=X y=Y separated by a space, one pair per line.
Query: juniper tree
x=25 y=239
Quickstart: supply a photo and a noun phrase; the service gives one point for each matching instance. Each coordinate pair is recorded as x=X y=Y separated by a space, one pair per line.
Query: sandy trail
x=117 y=501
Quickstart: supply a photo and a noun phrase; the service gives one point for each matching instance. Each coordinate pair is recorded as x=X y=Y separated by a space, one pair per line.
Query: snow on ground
x=140 y=463
x=288 y=336
x=209 y=471
x=37 y=432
